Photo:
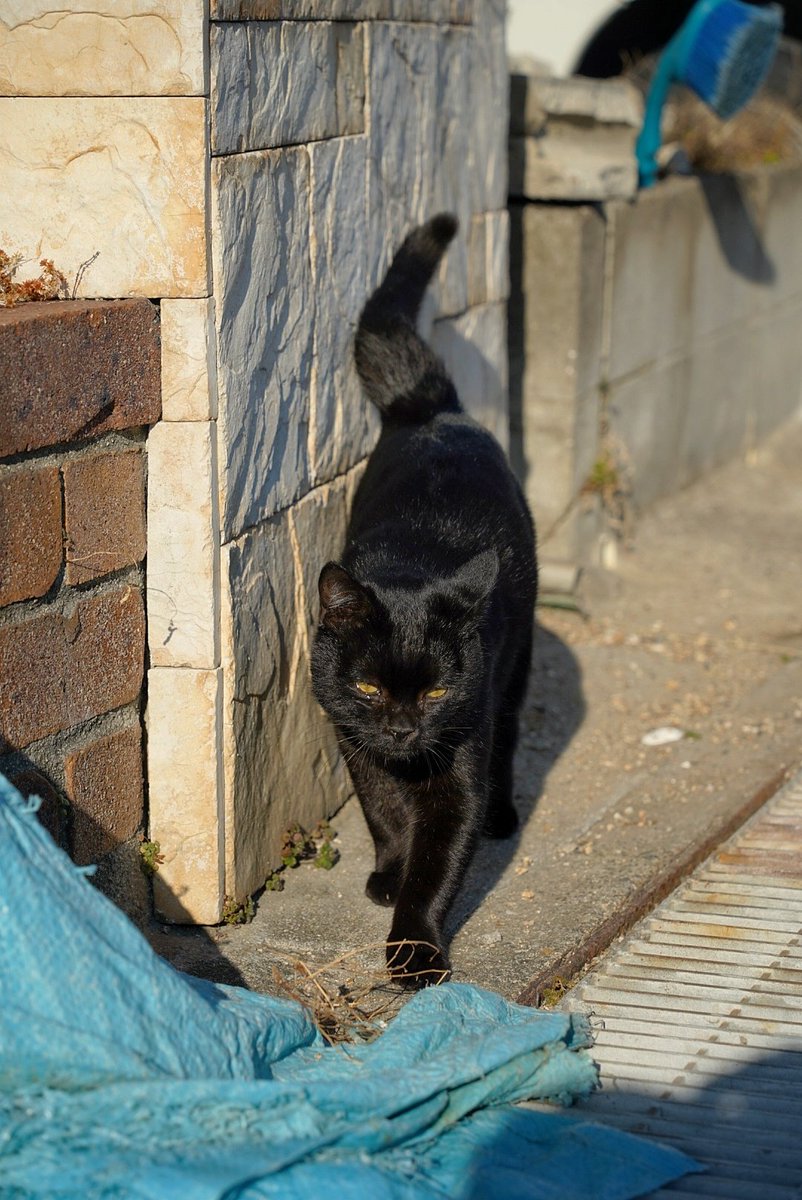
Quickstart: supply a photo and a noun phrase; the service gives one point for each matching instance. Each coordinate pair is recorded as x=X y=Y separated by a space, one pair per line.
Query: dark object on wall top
x=643 y=27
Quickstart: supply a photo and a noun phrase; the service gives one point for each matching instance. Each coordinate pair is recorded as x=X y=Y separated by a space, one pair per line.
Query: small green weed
x=326 y=857
x=298 y=846
x=552 y=994
x=610 y=482
x=151 y=857
x=603 y=478
x=238 y=913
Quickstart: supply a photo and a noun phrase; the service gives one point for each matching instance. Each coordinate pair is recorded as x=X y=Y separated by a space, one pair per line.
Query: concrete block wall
x=252 y=168
x=72 y=545
x=703 y=355
x=555 y=334
x=665 y=327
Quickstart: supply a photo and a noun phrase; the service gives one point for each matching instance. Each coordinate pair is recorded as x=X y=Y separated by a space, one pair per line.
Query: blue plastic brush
x=722 y=51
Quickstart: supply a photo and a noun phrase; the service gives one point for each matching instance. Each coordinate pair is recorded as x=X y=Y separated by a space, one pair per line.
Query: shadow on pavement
x=553 y=712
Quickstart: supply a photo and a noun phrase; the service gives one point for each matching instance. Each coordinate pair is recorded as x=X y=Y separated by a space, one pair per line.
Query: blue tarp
x=122 y=1078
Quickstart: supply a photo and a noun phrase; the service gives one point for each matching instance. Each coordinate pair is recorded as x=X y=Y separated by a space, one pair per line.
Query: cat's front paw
x=383 y=887
x=416 y=964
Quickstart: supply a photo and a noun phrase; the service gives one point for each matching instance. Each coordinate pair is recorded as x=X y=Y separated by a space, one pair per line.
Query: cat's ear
x=471 y=585
x=344 y=603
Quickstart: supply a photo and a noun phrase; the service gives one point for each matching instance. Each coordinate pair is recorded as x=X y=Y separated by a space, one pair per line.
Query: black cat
x=423 y=650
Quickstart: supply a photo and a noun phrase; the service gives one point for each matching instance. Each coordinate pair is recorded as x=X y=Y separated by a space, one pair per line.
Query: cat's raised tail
x=400 y=374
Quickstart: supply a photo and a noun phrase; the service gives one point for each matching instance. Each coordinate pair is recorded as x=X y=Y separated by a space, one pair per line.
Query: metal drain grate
x=698 y=1016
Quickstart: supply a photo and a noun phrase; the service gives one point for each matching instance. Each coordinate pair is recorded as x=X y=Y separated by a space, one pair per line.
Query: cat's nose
x=402 y=731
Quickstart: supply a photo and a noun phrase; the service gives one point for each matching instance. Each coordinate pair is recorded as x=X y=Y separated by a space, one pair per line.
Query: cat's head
x=400 y=668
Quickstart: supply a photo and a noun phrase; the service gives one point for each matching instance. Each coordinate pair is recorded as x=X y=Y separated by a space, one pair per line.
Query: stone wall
x=253 y=170
x=657 y=335
x=72 y=543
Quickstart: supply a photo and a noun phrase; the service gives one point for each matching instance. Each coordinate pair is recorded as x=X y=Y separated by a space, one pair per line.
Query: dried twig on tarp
x=348 y=1001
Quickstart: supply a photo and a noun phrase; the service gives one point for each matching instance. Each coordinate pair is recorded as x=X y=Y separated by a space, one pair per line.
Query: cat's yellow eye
x=436 y=693
x=367 y=689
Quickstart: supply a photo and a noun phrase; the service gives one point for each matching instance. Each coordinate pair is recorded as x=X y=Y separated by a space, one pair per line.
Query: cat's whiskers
x=439 y=758
x=355 y=754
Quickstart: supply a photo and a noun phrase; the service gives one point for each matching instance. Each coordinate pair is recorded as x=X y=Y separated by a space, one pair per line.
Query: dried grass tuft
x=348 y=1001
x=49 y=284
x=766 y=131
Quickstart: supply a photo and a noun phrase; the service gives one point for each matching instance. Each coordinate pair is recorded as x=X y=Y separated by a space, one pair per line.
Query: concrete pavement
x=699 y=628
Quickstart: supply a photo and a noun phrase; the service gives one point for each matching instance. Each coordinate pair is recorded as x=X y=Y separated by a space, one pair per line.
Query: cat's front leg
x=447 y=819
x=388 y=821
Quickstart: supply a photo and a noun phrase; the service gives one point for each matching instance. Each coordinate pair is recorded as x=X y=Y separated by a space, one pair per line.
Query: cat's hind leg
x=384 y=883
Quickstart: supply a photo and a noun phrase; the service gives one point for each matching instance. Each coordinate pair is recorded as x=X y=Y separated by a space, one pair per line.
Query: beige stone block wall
x=183 y=583
x=185 y=794
x=253 y=169
x=120 y=178
x=113 y=48
x=189 y=360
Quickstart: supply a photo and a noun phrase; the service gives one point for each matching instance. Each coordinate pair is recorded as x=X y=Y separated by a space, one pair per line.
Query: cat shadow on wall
x=478 y=382
x=552 y=713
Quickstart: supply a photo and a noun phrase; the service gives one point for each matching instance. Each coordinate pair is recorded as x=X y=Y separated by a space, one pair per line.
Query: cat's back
x=451 y=442
x=437 y=489
x=446 y=480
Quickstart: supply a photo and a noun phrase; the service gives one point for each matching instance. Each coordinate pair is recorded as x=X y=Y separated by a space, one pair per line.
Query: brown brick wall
x=30 y=531
x=78 y=661
x=76 y=369
x=104 y=502
x=79 y=384
x=104 y=784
